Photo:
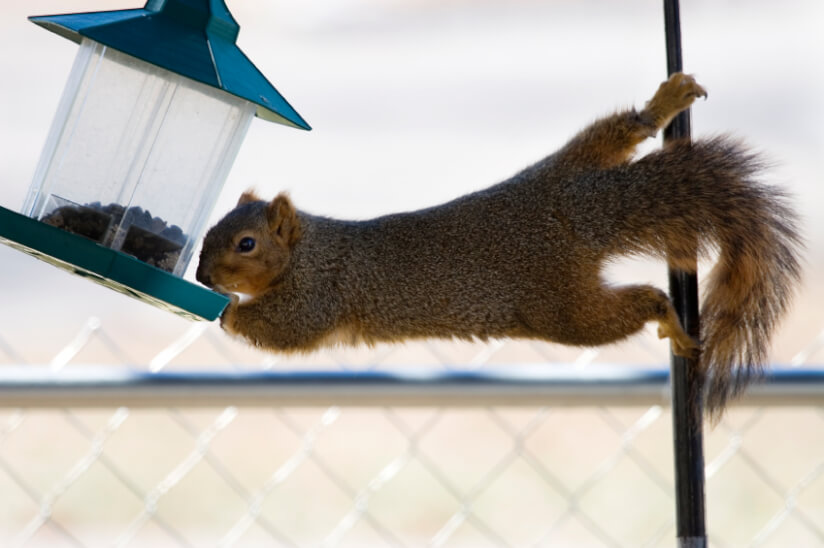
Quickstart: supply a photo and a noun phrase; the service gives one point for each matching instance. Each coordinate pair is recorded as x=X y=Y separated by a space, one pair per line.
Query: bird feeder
x=152 y=116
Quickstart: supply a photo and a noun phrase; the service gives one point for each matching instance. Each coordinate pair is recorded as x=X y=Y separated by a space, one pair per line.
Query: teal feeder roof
x=194 y=38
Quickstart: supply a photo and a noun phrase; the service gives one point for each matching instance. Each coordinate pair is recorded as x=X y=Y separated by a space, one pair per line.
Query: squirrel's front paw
x=227 y=318
x=673 y=96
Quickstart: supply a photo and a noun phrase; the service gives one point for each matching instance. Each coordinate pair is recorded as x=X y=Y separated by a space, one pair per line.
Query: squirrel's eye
x=246 y=245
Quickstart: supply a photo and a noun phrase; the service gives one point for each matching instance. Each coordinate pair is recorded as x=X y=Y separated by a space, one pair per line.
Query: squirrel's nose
x=202 y=277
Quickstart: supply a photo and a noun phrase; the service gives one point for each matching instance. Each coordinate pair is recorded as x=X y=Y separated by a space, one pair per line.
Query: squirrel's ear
x=283 y=219
x=248 y=196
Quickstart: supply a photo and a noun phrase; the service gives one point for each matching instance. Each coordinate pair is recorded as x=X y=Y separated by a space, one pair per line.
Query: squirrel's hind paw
x=682 y=344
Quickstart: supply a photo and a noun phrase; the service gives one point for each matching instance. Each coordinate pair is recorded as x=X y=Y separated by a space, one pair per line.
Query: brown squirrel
x=523 y=258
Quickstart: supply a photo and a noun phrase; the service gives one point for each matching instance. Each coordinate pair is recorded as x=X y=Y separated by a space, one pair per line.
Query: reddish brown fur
x=524 y=258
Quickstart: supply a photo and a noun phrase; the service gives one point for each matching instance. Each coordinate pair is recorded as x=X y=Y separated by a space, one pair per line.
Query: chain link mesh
x=392 y=476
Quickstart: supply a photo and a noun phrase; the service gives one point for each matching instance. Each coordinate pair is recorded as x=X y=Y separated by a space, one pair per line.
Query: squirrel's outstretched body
x=524 y=258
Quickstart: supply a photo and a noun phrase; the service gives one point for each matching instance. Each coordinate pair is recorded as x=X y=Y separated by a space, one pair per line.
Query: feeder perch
x=152 y=116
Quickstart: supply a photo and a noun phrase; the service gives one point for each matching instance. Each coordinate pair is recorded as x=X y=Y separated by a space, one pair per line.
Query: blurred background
x=413 y=102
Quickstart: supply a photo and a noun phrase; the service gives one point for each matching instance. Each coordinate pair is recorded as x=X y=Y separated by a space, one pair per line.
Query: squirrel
x=523 y=258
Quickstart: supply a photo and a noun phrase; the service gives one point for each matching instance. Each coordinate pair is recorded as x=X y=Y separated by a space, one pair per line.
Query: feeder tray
x=113 y=269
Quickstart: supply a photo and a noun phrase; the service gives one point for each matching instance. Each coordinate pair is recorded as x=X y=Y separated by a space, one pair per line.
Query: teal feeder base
x=108 y=267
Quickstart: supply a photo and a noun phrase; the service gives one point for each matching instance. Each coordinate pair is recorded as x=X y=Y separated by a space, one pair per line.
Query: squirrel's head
x=251 y=246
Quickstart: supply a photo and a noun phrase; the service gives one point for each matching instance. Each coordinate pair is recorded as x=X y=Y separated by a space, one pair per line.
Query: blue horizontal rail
x=551 y=385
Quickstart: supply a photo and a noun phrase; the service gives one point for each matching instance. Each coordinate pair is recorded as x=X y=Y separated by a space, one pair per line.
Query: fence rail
x=612 y=386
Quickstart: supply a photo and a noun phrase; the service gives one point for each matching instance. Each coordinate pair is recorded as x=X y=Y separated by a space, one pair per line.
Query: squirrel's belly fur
x=524 y=258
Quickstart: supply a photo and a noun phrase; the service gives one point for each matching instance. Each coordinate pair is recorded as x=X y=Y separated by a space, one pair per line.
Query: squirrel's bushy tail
x=715 y=199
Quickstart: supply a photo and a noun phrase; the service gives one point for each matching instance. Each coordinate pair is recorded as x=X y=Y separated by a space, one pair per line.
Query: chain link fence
x=388 y=476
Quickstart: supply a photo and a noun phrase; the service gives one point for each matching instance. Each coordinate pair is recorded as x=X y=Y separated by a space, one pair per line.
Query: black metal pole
x=687 y=416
